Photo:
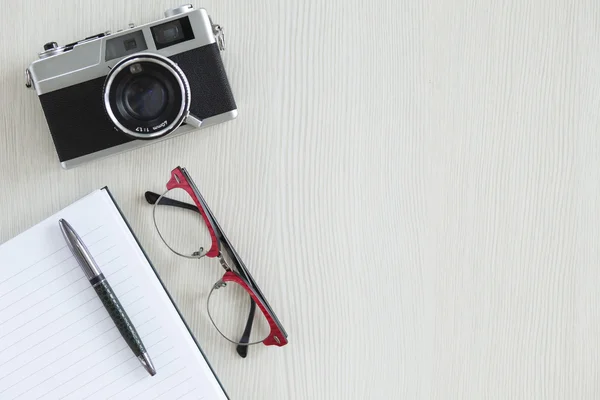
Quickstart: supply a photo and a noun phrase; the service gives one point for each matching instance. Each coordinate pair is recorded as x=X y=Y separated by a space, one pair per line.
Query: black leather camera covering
x=79 y=125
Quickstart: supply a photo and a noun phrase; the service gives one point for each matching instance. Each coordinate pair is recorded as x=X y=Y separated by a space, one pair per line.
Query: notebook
x=57 y=340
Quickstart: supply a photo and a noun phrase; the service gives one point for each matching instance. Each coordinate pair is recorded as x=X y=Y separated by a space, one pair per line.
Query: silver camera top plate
x=60 y=67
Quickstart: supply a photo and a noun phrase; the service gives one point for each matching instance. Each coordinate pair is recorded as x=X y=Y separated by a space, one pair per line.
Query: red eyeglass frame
x=180 y=179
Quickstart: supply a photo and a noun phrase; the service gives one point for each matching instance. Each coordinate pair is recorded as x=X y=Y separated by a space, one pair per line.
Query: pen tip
x=147 y=363
x=64 y=226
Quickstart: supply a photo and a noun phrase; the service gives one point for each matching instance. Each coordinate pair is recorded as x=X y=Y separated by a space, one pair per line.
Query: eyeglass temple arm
x=152 y=198
x=242 y=350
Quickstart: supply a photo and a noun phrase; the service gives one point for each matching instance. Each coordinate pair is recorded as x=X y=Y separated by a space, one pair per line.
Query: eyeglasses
x=189 y=229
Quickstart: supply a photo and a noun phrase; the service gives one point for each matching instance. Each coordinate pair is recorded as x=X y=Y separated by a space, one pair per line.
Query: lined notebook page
x=57 y=340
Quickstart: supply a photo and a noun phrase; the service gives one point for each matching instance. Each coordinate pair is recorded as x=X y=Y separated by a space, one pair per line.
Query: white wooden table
x=413 y=184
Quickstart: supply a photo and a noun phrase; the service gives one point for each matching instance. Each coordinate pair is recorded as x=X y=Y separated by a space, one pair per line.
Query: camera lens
x=146 y=96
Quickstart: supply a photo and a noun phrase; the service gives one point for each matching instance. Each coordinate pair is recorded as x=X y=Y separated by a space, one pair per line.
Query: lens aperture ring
x=161 y=72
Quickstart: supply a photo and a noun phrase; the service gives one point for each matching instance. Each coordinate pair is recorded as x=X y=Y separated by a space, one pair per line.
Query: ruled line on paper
x=117 y=352
x=154 y=359
x=89 y=288
x=144 y=376
x=40 y=288
x=32 y=265
x=114 y=259
x=37 y=316
x=27 y=282
x=113 y=327
x=103 y=251
x=100 y=376
x=150 y=387
x=135 y=301
x=188 y=392
x=126 y=347
x=46 y=257
x=172 y=387
x=112 y=275
x=53 y=321
x=122 y=280
x=170 y=362
x=64 y=328
x=56 y=333
x=81 y=359
x=63 y=356
x=44 y=272
x=165 y=338
x=144 y=323
x=47 y=365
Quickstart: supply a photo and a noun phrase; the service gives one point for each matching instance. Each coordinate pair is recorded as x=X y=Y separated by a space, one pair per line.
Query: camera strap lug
x=219 y=34
x=28 y=80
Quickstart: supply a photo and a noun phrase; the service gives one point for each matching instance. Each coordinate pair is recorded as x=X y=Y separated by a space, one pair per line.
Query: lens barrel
x=146 y=96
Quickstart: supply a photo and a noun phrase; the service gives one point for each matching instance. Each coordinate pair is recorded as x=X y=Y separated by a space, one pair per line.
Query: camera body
x=111 y=93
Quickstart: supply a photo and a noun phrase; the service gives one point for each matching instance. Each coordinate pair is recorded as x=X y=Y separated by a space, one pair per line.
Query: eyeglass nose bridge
x=223 y=262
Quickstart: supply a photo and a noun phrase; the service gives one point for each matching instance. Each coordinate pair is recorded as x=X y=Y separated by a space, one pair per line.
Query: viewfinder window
x=172 y=32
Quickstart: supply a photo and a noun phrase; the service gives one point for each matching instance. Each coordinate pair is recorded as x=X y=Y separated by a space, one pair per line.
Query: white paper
x=57 y=340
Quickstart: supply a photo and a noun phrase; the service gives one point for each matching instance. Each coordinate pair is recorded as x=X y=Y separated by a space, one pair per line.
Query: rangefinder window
x=172 y=32
x=125 y=45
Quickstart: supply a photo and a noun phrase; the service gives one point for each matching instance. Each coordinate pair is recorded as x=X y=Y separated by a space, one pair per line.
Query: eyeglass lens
x=229 y=307
x=182 y=230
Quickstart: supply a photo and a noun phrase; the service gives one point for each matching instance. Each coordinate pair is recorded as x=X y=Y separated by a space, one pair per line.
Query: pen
x=106 y=294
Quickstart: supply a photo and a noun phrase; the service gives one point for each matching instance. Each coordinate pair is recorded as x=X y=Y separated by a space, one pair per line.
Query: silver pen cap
x=80 y=252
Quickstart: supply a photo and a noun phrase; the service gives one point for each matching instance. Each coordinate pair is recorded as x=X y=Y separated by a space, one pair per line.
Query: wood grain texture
x=414 y=185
